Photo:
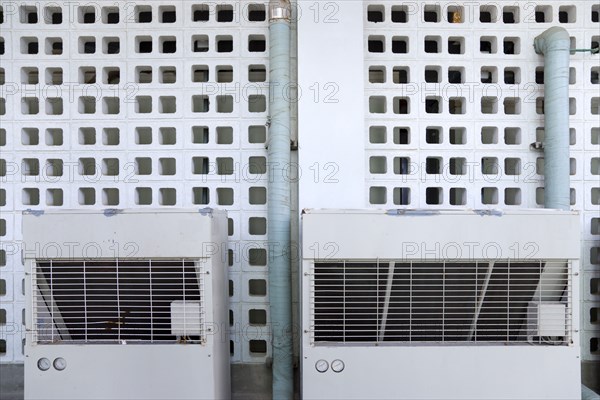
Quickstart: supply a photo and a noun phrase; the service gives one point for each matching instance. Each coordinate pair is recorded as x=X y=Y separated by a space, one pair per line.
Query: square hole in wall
x=512 y=75
x=433 y=44
x=167 y=136
x=257 y=317
x=402 y=166
x=433 y=104
x=489 y=105
x=457 y=166
x=433 y=134
x=257 y=195
x=375 y=13
x=200 y=134
x=433 y=74
x=512 y=105
x=510 y=14
x=225 y=166
x=567 y=14
x=143 y=166
x=458 y=196
x=454 y=14
x=489 y=74
x=200 y=103
x=87 y=166
x=256 y=12
x=200 y=12
x=87 y=75
x=111 y=105
x=224 y=104
x=30 y=136
x=86 y=14
x=143 y=104
x=29 y=45
x=458 y=135
x=54 y=106
x=377 y=134
x=400 y=44
x=143 y=44
x=224 y=13
x=400 y=14
x=257 y=43
x=28 y=14
x=30 y=105
x=224 y=43
x=224 y=73
x=401 y=196
x=257 y=103
x=54 y=46
x=376 y=44
x=401 y=74
x=54 y=167
x=377 y=104
x=431 y=13
x=30 y=197
x=54 y=197
x=87 y=136
x=168 y=44
x=200 y=73
x=200 y=43
x=457 y=105
x=377 y=195
x=488 y=45
x=456 y=45
x=167 y=196
x=543 y=13
x=401 y=135
x=29 y=75
x=433 y=165
x=594 y=166
x=143 y=196
x=87 y=105
x=201 y=195
x=401 y=105
x=167 y=166
x=377 y=74
x=257 y=134
x=257 y=73
x=595 y=105
x=224 y=135
x=377 y=165
x=167 y=14
x=143 y=135
x=110 y=197
x=111 y=75
x=110 y=136
x=489 y=166
x=225 y=196
x=512 y=136
x=595 y=14
x=489 y=195
x=257 y=287
x=488 y=13
x=54 y=76
x=54 y=137
x=87 y=196
x=434 y=195
x=512 y=45
x=257 y=226
x=512 y=166
x=595 y=229
x=53 y=15
x=110 y=166
x=87 y=45
x=143 y=74
x=143 y=14
x=257 y=257
x=456 y=74
x=257 y=165
x=167 y=104
x=111 y=45
x=110 y=15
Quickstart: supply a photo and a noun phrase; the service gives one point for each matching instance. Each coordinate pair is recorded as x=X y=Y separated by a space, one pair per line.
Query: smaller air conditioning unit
x=546 y=320
x=126 y=305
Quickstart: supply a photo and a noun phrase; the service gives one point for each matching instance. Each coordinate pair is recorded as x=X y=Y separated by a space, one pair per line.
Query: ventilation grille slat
x=441 y=302
x=117 y=301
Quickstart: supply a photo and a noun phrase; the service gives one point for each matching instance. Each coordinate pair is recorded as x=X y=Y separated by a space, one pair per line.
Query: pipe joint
x=279 y=12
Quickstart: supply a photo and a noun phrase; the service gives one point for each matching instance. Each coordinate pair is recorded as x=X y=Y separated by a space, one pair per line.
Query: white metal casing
x=132 y=371
x=461 y=371
x=548 y=319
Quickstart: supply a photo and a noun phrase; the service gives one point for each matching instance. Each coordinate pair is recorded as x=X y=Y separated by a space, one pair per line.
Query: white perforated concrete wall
x=435 y=105
x=155 y=104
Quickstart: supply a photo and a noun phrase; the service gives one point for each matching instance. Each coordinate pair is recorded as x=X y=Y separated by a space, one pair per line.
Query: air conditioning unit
x=411 y=304
x=126 y=305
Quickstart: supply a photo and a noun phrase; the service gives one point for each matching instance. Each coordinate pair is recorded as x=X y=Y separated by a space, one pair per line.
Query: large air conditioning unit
x=126 y=305
x=409 y=304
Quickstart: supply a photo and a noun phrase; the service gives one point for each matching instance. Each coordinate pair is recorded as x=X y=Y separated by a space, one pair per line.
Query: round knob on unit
x=337 y=365
x=44 y=364
x=60 y=364
x=322 y=366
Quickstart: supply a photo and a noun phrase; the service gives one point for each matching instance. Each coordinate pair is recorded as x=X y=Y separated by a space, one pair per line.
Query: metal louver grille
x=477 y=302
x=117 y=301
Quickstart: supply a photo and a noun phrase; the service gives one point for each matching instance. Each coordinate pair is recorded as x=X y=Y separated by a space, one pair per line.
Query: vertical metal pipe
x=279 y=201
x=555 y=45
